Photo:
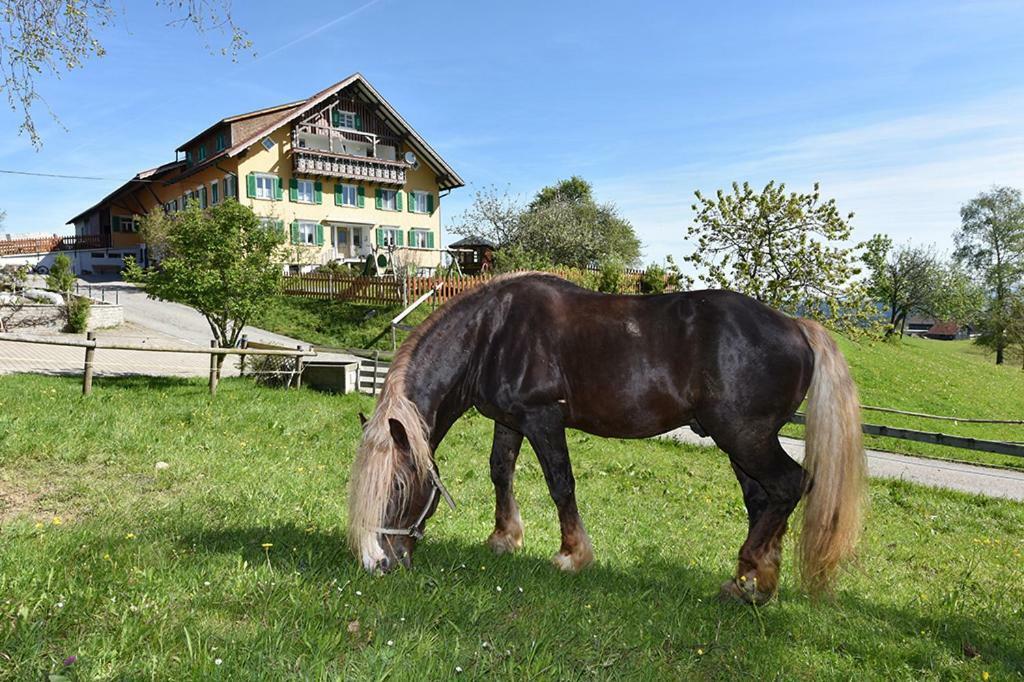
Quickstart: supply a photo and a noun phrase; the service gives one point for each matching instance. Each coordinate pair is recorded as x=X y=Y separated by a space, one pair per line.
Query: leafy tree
x=56 y=36
x=611 y=276
x=958 y=296
x=62 y=280
x=574 y=190
x=653 y=280
x=780 y=248
x=906 y=279
x=224 y=262
x=991 y=243
x=1015 y=325
x=12 y=284
x=493 y=215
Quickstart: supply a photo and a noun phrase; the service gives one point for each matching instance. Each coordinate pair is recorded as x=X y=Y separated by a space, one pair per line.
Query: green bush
x=653 y=280
x=61 y=278
x=78 y=308
x=611 y=277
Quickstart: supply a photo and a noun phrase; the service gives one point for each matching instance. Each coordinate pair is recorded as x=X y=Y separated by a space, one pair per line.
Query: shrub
x=611 y=277
x=653 y=280
x=78 y=308
x=61 y=278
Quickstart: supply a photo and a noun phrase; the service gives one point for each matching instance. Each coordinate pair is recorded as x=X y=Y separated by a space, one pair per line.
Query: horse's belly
x=626 y=420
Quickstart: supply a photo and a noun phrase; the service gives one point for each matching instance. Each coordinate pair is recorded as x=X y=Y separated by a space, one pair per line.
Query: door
x=341 y=242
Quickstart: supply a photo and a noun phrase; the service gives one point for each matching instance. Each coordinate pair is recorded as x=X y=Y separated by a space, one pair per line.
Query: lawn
x=230 y=563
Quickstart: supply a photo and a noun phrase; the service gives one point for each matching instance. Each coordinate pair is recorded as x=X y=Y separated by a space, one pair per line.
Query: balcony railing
x=11 y=247
x=315 y=162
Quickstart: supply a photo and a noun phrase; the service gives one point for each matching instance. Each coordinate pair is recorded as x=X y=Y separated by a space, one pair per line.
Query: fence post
x=213 y=368
x=298 y=368
x=243 y=344
x=90 y=353
x=376 y=364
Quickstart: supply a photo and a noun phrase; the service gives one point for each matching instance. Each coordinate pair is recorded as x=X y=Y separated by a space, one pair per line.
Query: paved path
x=968 y=478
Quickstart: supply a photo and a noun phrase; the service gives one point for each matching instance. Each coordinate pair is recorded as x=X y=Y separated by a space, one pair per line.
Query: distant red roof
x=944 y=329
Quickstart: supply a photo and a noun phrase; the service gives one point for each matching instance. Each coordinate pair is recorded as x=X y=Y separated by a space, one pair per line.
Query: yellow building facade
x=341 y=173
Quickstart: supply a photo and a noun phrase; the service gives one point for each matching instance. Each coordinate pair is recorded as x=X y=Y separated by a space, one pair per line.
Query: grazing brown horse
x=538 y=354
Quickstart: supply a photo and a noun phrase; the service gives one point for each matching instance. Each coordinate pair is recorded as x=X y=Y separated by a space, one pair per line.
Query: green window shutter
x=214 y=192
x=250 y=185
x=362 y=197
x=430 y=240
x=338 y=194
x=293 y=189
x=379 y=196
x=412 y=237
x=380 y=237
x=411 y=206
x=430 y=203
x=115 y=224
x=279 y=226
x=278 y=189
x=398 y=200
x=335 y=118
x=359 y=122
x=295 y=232
x=319 y=234
x=318 y=192
x=398 y=235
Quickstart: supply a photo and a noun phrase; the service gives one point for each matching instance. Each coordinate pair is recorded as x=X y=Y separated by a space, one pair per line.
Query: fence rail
x=12 y=247
x=390 y=288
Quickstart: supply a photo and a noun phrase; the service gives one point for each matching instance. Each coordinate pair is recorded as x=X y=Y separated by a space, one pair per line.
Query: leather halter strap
x=414 y=531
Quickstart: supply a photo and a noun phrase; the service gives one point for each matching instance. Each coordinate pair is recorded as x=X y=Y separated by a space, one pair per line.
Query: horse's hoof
x=744 y=592
x=575 y=562
x=505 y=543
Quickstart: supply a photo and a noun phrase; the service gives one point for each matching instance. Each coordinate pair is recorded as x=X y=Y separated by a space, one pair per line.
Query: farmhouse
x=341 y=174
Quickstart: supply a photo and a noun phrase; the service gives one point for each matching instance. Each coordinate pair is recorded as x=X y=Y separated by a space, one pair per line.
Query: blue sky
x=902 y=111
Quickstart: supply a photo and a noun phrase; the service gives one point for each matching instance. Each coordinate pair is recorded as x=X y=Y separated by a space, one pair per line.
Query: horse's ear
x=399 y=435
x=362 y=420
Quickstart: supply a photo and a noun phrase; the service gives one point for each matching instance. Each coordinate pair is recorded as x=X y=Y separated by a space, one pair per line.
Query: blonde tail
x=834 y=459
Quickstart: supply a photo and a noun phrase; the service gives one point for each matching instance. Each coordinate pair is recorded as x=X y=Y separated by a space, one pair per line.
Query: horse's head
x=394 y=487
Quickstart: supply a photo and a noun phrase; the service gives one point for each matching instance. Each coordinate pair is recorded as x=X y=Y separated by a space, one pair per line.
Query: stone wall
x=46 y=316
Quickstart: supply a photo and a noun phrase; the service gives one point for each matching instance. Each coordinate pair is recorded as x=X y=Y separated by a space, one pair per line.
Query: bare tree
x=54 y=37
x=494 y=215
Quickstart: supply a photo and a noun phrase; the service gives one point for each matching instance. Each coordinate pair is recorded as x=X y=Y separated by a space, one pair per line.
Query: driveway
x=934 y=473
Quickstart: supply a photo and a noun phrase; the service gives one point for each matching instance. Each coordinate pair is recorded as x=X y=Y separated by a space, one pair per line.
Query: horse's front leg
x=508 y=526
x=546 y=433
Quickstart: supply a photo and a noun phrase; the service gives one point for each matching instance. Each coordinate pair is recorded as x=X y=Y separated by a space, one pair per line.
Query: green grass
x=335 y=323
x=952 y=378
x=157 y=574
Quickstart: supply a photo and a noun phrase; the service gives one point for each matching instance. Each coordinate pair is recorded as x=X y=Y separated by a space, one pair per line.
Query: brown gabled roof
x=140 y=179
x=944 y=329
x=447 y=177
x=236 y=118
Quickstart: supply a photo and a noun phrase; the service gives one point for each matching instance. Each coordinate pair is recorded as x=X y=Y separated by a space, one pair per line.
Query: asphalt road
x=935 y=473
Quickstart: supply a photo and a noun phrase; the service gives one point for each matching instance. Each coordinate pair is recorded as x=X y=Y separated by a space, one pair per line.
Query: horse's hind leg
x=508 y=527
x=772 y=485
x=546 y=432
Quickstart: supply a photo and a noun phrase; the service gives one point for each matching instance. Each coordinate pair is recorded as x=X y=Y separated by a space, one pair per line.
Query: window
x=266 y=186
x=421 y=202
x=119 y=224
x=268 y=144
x=387 y=200
x=344 y=119
x=201 y=193
x=202 y=152
x=421 y=239
x=214 y=193
x=306 y=232
x=346 y=195
x=222 y=141
x=389 y=236
x=305 y=191
x=229 y=187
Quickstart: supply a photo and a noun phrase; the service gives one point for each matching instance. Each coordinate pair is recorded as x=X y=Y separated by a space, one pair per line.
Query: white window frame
x=267 y=179
x=390 y=234
x=420 y=201
x=307 y=232
x=344 y=117
x=300 y=195
x=383 y=200
x=420 y=233
x=345 y=191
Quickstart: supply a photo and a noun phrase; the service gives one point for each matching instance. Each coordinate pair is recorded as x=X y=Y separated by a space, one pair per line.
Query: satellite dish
x=410 y=158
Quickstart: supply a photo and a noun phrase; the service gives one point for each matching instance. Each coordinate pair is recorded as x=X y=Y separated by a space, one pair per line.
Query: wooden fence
x=10 y=247
x=388 y=289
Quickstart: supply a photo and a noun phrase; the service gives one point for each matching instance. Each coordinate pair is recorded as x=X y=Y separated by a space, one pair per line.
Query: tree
x=1015 y=325
x=224 y=262
x=56 y=36
x=12 y=285
x=493 y=215
x=991 y=242
x=61 y=279
x=562 y=225
x=781 y=249
x=905 y=279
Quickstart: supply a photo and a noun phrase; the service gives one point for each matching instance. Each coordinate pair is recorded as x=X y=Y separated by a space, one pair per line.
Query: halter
x=414 y=531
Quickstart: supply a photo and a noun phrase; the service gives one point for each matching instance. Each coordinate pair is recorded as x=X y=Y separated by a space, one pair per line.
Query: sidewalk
x=936 y=473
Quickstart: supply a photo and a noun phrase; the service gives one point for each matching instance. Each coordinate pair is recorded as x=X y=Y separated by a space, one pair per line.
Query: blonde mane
x=379 y=468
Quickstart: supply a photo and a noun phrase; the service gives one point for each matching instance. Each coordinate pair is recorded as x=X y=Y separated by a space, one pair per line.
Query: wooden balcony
x=327 y=164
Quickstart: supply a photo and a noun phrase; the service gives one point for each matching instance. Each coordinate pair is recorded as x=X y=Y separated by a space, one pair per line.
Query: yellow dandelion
x=267 y=545
x=700 y=652
x=984 y=675
x=39 y=524
x=106 y=557
x=57 y=521
x=129 y=536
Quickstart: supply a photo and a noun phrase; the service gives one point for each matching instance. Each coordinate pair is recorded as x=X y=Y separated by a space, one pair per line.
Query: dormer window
x=202 y=152
x=222 y=141
x=345 y=119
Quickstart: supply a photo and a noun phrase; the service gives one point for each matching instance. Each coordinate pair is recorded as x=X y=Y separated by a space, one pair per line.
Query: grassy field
x=335 y=323
x=953 y=378
x=230 y=563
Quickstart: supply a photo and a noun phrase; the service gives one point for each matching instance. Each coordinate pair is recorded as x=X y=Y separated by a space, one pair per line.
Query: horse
x=538 y=354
